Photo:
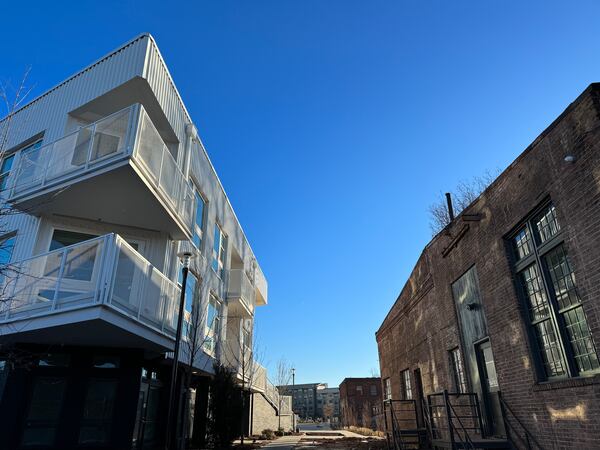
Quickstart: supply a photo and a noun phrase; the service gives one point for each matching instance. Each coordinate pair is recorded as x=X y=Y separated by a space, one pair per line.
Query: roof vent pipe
x=450 y=209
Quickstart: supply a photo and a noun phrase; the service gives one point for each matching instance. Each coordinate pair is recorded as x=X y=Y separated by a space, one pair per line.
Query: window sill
x=567 y=383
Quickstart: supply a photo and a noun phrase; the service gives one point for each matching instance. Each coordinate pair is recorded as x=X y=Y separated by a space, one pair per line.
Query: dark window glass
x=106 y=362
x=44 y=411
x=98 y=412
x=54 y=360
x=63 y=238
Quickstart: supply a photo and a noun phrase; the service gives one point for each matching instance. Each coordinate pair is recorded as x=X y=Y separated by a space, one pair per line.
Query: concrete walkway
x=284 y=443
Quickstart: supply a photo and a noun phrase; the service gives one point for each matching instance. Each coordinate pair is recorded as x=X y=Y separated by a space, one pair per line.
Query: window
x=219 y=247
x=458 y=371
x=406 y=385
x=387 y=389
x=373 y=389
x=97 y=417
x=7 y=245
x=546 y=282
x=8 y=161
x=5 y=169
x=199 y=219
x=213 y=318
x=359 y=390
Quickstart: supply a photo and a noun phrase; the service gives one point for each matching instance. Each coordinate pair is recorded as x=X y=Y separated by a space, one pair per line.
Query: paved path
x=284 y=443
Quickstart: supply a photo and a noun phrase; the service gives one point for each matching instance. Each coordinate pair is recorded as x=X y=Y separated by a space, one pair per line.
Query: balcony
x=117 y=170
x=97 y=292
x=240 y=293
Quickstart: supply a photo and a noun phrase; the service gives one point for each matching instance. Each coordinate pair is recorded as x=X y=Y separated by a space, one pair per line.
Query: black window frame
x=539 y=250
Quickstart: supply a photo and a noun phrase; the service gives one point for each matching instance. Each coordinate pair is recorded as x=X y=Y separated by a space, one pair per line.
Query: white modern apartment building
x=108 y=182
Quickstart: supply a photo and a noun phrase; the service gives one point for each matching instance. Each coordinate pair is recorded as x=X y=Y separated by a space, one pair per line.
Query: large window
x=213 y=318
x=546 y=281
x=406 y=385
x=219 y=247
x=199 y=218
x=458 y=371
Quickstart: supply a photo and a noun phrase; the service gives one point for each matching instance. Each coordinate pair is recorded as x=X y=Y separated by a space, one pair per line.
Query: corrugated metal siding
x=48 y=112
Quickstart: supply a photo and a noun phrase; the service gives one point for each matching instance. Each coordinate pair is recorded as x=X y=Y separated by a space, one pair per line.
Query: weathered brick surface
x=361 y=408
x=264 y=416
x=422 y=324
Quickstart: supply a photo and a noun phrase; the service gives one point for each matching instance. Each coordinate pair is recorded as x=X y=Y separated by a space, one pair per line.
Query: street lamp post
x=185 y=259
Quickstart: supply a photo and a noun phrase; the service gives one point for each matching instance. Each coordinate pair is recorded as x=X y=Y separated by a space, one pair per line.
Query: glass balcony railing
x=240 y=288
x=128 y=133
x=103 y=271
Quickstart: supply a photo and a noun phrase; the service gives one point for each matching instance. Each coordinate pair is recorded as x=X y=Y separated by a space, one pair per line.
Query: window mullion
x=555 y=316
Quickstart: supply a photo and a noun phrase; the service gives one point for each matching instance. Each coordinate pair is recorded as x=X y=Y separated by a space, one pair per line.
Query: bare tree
x=244 y=356
x=465 y=193
x=283 y=375
x=198 y=338
x=12 y=98
x=374 y=372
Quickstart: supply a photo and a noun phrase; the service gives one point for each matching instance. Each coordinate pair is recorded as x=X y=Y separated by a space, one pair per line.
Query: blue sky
x=333 y=125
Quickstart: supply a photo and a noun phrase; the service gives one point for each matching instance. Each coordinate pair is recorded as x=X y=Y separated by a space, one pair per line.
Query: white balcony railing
x=240 y=287
x=128 y=133
x=103 y=271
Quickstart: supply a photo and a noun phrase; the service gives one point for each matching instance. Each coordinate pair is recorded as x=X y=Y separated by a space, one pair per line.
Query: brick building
x=361 y=402
x=304 y=398
x=507 y=297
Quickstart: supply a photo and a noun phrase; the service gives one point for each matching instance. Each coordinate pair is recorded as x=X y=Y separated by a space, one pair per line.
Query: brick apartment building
x=507 y=297
x=361 y=402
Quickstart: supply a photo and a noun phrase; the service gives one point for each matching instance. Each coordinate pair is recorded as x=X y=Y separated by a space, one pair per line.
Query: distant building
x=304 y=398
x=328 y=404
x=361 y=402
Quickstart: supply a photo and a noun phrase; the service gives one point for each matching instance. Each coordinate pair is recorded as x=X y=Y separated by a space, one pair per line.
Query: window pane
x=584 y=350
x=549 y=349
x=407 y=385
x=534 y=292
x=458 y=371
x=197 y=238
x=522 y=243
x=547 y=224
x=563 y=278
x=63 y=238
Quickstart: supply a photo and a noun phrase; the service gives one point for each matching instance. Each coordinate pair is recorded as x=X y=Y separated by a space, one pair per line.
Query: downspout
x=191 y=135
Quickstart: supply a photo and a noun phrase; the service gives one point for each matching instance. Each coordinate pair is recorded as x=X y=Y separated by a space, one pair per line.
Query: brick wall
x=422 y=325
x=361 y=408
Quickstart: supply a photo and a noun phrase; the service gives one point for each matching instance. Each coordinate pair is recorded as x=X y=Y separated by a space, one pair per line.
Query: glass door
x=490 y=388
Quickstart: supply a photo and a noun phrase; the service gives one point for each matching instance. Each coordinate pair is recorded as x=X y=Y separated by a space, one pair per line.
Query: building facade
x=504 y=302
x=361 y=403
x=328 y=404
x=109 y=182
x=304 y=398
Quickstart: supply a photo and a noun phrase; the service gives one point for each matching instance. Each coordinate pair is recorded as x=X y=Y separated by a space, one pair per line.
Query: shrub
x=225 y=408
x=268 y=434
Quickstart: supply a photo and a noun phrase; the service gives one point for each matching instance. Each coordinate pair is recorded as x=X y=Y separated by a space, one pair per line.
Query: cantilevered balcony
x=240 y=293
x=97 y=292
x=117 y=170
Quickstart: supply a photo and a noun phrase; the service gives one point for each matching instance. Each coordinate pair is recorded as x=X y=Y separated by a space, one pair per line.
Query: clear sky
x=333 y=124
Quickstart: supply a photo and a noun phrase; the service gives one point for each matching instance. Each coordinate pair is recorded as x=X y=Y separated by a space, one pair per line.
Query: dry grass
x=343 y=444
x=364 y=431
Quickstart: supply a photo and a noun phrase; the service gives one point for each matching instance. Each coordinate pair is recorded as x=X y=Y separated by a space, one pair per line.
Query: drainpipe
x=191 y=135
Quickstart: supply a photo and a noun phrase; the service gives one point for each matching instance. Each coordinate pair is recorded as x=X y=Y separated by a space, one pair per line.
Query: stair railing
x=511 y=430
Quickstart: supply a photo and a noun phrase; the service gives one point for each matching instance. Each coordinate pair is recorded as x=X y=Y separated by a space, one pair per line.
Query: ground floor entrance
x=92 y=398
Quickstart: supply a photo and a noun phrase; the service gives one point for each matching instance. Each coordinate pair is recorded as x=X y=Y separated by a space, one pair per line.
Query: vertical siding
x=48 y=112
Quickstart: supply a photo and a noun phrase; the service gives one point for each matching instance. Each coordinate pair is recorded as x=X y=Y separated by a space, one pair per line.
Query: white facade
x=120 y=160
